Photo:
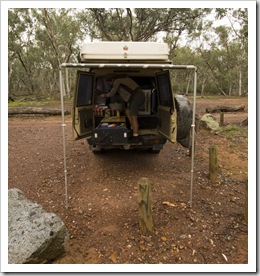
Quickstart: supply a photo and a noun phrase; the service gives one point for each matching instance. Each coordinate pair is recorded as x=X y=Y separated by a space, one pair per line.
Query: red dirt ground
x=102 y=217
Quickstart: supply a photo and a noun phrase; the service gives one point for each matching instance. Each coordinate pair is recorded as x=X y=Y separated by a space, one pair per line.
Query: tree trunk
x=230 y=90
x=188 y=85
x=10 y=71
x=213 y=76
x=68 y=94
x=204 y=80
x=240 y=83
x=28 y=83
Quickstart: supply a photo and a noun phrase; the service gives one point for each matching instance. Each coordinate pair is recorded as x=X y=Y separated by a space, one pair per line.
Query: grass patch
x=24 y=102
x=231 y=128
x=234 y=132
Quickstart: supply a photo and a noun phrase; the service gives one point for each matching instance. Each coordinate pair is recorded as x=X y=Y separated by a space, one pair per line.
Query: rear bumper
x=154 y=142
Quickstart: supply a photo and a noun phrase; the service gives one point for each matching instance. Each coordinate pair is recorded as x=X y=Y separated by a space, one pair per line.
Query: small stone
x=163 y=238
x=113 y=257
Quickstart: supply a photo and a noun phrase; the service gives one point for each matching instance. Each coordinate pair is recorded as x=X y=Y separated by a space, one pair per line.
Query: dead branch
x=35 y=110
x=225 y=109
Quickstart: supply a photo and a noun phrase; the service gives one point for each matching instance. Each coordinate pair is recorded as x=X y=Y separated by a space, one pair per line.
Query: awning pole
x=164 y=66
x=63 y=136
x=193 y=134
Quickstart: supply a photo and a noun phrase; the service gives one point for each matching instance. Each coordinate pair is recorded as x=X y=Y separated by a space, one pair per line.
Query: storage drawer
x=108 y=134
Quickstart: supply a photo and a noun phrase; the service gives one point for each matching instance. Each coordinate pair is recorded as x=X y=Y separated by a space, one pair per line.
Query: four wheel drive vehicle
x=103 y=121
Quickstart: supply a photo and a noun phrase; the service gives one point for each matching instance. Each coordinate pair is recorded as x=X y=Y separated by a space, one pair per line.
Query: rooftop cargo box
x=127 y=51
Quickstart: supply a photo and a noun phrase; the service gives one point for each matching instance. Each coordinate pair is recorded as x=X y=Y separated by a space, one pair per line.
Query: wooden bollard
x=221 y=120
x=145 y=206
x=213 y=163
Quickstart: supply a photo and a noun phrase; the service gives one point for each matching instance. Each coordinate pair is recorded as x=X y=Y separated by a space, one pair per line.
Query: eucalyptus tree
x=146 y=24
x=228 y=62
x=181 y=79
x=224 y=51
x=239 y=17
x=20 y=53
x=139 y=24
x=57 y=35
x=39 y=41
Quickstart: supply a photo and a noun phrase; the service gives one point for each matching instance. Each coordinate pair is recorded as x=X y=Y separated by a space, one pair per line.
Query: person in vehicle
x=133 y=96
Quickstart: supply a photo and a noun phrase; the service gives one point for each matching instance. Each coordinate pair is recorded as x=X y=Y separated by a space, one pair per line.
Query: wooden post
x=221 y=121
x=213 y=163
x=145 y=206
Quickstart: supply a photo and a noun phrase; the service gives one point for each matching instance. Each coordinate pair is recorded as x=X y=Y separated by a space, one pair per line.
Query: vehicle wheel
x=154 y=151
x=184 y=117
x=96 y=149
x=101 y=151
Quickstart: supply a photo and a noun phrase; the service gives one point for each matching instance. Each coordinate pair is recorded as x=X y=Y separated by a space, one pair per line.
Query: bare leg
x=133 y=121
x=127 y=112
x=134 y=124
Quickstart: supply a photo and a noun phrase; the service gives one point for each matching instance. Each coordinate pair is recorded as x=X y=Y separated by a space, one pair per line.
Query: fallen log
x=35 y=111
x=225 y=109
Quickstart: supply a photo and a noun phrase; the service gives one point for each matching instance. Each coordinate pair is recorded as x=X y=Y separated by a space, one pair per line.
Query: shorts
x=136 y=101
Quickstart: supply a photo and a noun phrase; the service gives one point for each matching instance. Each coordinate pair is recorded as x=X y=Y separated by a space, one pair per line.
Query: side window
x=84 y=89
x=164 y=89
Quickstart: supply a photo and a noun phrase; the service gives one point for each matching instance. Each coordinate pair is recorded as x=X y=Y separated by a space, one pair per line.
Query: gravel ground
x=102 y=217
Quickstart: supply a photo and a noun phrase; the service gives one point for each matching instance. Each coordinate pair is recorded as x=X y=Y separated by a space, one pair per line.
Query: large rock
x=207 y=121
x=34 y=236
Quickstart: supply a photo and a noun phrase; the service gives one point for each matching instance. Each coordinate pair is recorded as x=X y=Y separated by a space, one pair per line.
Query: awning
x=136 y=66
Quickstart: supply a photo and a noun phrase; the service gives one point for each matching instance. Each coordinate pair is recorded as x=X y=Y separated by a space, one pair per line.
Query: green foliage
x=231 y=128
x=117 y=24
x=236 y=15
x=39 y=40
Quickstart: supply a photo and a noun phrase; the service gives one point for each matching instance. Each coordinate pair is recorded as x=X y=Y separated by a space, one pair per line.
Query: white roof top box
x=124 y=50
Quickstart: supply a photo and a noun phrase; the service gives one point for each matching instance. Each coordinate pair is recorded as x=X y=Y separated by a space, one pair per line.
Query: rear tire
x=154 y=151
x=96 y=149
x=96 y=152
x=184 y=118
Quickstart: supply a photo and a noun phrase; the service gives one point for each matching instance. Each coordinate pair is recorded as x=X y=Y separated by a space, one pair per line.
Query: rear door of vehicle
x=166 y=121
x=83 y=116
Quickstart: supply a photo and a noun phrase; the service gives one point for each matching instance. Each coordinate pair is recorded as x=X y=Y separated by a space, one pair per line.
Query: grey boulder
x=34 y=236
x=207 y=121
